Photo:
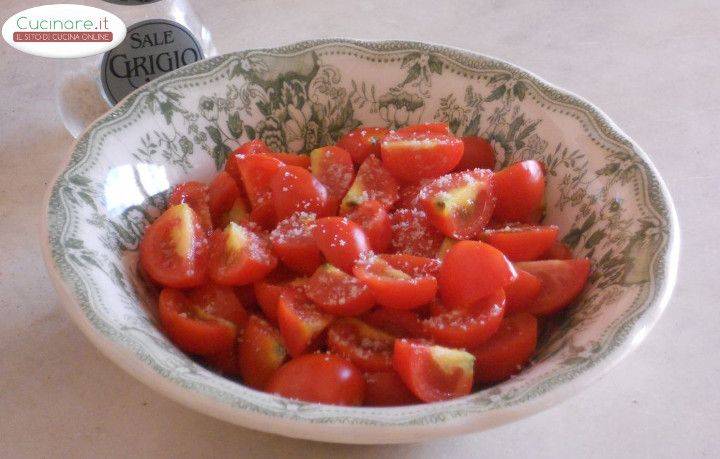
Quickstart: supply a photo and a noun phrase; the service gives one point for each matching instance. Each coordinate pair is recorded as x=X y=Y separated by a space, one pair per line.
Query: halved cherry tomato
x=521 y=242
x=385 y=388
x=414 y=155
x=337 y=292
x=399 y=281
x=433 y=373
x=294 y=243
x=372 y=183
x=468 y=327
x=292 y=159
x=425 y=128
x=333 y=167
x=239 y=213
x=174 y=250
x=222 y=194
x=269 y=289
x=366 y=347
x=218 y=302
x=319 y=378
x=508 y=350
x=341 y=241
x=558 y=251
x=398 y=322
x=562 y=281
x=226 y=363
x=239 y=256
x=520 y=189
x=260 y=352
x=294 y=189
x=472 y=270
x=190 y=329
x=195 y=194
x=363 y=142
x=459 y=204
x=478 y=154
x=445 y=247
x=248 y=148
x=257 y=171
x=375 y=223
x=409 y=198
x=521 y=292
x=300 y=322
x=413 y=234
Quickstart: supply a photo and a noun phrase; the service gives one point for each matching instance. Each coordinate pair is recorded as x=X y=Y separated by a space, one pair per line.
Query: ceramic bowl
x=603 y=192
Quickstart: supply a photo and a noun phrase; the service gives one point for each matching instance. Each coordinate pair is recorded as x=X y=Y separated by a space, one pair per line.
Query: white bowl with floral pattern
x=603 y=192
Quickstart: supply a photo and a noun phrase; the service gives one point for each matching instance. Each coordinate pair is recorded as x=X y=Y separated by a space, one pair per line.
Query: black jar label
x=151 y=48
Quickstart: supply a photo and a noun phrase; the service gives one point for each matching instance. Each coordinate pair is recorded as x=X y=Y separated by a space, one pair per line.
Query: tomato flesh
x=413 y=234
x=468 y=327
x=372 y=182
x=260 y=353
x=413 y=156
x=333 y=167
x=397 y=322
x=367 y=348
x=521 y=292
x=562 y=281
x=257 y=171
x=337 y=292
x=399 y=281
x=300 y=321
x=558 y=251
x=294 y=189
x=268 y=291
x=504 y=354
x=294 y=243
x=194 y=194
x=522 y=242
x=375 y=223
x=239 y=256
x=341 y=241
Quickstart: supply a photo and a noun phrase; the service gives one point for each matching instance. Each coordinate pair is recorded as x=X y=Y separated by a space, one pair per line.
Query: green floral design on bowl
x=603 y=193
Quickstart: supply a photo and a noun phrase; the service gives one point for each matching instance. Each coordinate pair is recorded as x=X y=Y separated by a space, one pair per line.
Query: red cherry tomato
x=562 y=282
x=467 y=328
x=385 y=388
x=375 y=223
x=269 y=289
x=319 y=378
x=174 y=250
x=459 y=204
x=294 y=243
x=260 y=353
x=239 y=256
x=363 y=142
x=239 y=213
x=195 y=194
x=521 y=242
x=226 y=363
x=341 y=241
x=413 y=234
x=433 y=373
x=520 y=189
x=292 y=159
x=333 y=167
x=248 y=148
x=558 y=251
x=367 y=348
x=425 y=128
x=398 y=322
x=521 y=292
x=222 y=194
x=478 y=154
x=337 y=292
x=409 y=195
x=246 y=295
x=372 y=183
x=413 y=156
x=471 y=271
x=220 y=303
x=399 y=281
x=294 y=189
x=192 y=330
x=508 y=350
x=257 y=171
x=300 y=322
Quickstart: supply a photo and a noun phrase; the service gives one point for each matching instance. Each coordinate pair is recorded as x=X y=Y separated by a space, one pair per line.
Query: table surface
x=651 y=65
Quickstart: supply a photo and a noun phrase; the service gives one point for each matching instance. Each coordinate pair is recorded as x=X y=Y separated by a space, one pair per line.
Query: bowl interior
x=602 y=193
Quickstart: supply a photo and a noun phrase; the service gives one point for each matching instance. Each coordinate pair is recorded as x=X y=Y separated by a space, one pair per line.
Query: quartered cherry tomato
x=477 y=154
x=337 y=292
x=521 y=292
x=294 y=243
x=433 y=373
x=504 y=354
x=222 y=194
x=319 y=378
x=248 y=148
x=239 y=256
x=363 y=142
x=260 y=352
x=520 y=190
x=385 y=388
x=521 y=242
x=301 y=322
x=411 y=156
x=341 y=241
x=194 y=194
x=366 y=347
x=471 y=271
x=375 y=223
x=294 y=189
x=557 y=251
x=397 y=322
x=562 y=281
x=372 y=183
x=269 y=289
x=174 y=250
x=413 y=234
x=257 y=171
x=459 y=204
x=468 y=327
x=399 y=281
x=333 y=167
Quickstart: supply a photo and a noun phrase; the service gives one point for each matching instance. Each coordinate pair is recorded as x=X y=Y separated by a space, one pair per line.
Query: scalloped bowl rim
x=358 y=433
